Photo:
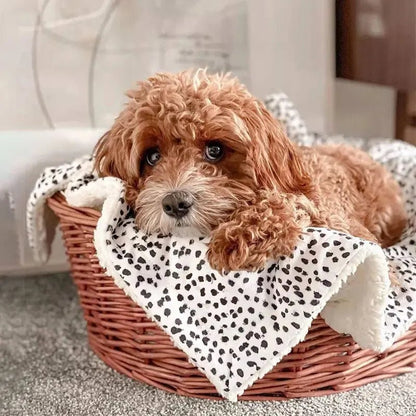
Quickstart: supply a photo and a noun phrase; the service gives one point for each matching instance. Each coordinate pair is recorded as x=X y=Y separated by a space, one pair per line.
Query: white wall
x=273 y=45
x=364 y=110
x=291 y=50
x=68 y=63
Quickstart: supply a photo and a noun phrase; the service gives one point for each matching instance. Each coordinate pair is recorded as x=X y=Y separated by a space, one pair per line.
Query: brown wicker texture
x=122 y=336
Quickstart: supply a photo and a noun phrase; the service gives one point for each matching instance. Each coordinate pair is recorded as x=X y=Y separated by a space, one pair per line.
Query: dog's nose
x=177 y=204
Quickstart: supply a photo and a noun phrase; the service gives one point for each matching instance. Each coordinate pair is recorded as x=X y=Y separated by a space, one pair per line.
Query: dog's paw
x=217 y=261
x=229 y=252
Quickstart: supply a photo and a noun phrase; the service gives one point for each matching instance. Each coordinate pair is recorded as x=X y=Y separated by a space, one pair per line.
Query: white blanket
x=235 y=328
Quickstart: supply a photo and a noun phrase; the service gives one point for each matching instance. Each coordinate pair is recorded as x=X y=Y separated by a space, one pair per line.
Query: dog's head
x=192 y=147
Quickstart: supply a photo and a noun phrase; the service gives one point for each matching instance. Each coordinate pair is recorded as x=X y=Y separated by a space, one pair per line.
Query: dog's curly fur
x=256 y=200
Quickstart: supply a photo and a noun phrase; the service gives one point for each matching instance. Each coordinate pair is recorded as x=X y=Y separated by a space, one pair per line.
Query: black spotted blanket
x=237 y=327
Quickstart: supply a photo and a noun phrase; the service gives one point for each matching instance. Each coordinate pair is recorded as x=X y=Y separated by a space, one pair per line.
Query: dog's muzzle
x=177 y=204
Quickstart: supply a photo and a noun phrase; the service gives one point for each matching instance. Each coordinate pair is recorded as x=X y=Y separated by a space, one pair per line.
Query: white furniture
x=23 y=156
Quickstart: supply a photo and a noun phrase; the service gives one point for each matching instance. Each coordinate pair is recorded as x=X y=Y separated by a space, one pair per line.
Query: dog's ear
x=113 y=152
x=276 y=160
x=106 y=155
x=114 y=156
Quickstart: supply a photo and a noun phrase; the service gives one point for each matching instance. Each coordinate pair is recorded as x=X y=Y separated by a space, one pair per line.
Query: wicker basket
x=123 y=337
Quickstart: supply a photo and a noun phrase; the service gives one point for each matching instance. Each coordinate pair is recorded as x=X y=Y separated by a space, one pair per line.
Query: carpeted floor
x=46 y=368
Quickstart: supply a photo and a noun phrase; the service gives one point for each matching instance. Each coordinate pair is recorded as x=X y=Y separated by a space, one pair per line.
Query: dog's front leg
x=259 y=231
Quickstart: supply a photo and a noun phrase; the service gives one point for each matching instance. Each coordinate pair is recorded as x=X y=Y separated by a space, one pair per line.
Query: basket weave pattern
x=122 y=336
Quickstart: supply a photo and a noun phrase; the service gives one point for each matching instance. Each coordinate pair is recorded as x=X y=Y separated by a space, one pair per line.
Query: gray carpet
x=46 y=368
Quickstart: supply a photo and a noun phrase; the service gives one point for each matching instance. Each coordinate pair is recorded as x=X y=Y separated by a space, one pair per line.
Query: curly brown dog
x=199 y=152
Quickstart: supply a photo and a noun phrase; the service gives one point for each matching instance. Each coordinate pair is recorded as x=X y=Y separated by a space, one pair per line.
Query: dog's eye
x=152 y=156
x=214 y=151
